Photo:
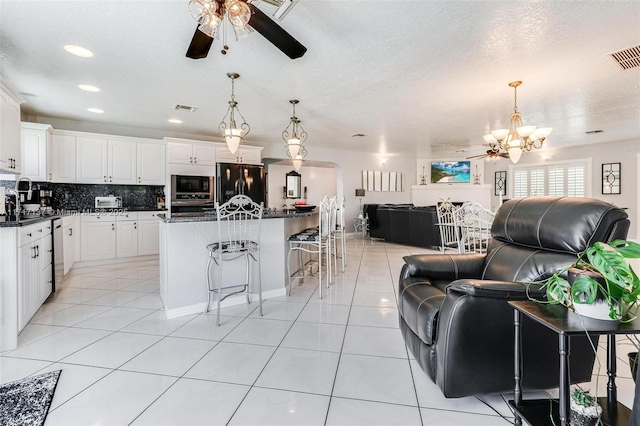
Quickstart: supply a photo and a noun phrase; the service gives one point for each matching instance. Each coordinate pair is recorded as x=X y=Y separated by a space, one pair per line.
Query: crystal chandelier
x=517 y=138
x=295 y=137
x=233 y=134
x=210 y=13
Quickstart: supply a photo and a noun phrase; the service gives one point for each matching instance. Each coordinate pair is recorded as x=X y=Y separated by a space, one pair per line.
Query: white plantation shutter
x=536 y=185
x=520 y=187
x=556 y=181
x=567 y=179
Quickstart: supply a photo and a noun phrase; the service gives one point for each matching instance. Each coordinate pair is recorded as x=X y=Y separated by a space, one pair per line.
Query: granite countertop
x=212 y=218
x=29 y=220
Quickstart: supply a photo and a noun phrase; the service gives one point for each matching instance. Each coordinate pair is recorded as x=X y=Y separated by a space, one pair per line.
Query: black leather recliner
x=454 y=315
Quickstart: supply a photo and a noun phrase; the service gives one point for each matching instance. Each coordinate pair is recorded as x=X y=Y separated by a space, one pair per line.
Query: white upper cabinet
x=151 y=163
x=62 y=158
x=10 y=150
x=36 y=148
x=91 y=160
x=244 y=154
x=191 y=153
x=121 y=161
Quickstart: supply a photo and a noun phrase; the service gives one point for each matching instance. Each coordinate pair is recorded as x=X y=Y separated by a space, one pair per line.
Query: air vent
x=627 y=58
x=358 y=135
x=180 y=107
x=593 y=132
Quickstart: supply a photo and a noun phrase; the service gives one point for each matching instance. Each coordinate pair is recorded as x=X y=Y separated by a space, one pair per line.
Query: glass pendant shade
x=500 y=134
x=206 y=13
x=297 y=162
x=525 y=131
x=514 y=154
x=233 y=137
x=294 y=147
x=238 y=13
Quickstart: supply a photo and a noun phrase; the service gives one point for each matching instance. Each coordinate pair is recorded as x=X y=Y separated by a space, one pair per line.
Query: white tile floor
x=339 y=360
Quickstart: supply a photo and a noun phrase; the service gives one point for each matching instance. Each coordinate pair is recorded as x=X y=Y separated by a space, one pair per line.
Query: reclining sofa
x=454 y=315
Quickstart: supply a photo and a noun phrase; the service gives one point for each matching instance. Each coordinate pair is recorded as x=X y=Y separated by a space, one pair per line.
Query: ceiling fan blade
x=200 y=45
x=275 y=34
x=476 y=156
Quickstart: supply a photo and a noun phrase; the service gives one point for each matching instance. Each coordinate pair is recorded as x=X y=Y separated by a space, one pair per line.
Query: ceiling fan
x=244 y=17
x=492 y=154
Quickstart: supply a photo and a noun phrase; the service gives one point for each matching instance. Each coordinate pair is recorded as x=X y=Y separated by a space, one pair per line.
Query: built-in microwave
x=192 y=188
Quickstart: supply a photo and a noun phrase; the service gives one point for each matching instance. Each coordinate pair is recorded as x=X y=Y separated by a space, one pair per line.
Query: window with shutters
x=561 y=179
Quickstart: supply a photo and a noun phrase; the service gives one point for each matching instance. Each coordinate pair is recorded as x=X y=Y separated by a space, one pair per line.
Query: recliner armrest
x=497 y=289
x=443 y=266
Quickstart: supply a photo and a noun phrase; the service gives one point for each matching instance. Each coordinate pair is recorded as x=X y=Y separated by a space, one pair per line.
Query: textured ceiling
x=422 y=78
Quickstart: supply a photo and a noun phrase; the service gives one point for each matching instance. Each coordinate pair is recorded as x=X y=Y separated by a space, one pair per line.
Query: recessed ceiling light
x=95 y=110
x=88 y=88
x=78 y=51
x=175 y=121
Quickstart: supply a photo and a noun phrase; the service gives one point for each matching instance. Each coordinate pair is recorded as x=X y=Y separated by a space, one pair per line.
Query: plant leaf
x=584 y=290
x=627 y=249
x=610 y=264
x=559 y=291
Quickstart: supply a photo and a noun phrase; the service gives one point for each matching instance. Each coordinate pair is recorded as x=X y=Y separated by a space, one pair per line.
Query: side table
x=566 y=323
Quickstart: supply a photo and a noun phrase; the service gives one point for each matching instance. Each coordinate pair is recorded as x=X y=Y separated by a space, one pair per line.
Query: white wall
x=320 y=181
x=625 y=152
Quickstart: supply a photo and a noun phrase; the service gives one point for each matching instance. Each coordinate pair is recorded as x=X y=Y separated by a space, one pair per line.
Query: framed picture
x=393 y=179
x=370 y=185
x=500 y=187
x=611 y=178
x=377 y=180
x=450 y=171
x=385 y=181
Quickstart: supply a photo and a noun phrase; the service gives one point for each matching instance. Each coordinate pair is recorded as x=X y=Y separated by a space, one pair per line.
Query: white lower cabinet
x=70 y=229
x=98 y=237
x=34 y=270
x=119 y=236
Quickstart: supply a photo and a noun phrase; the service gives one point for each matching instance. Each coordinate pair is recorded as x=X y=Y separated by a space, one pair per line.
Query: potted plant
x=601 y=273
x=585 y=410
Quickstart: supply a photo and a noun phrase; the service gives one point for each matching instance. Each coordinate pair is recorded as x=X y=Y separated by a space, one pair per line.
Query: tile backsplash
x=81 y=196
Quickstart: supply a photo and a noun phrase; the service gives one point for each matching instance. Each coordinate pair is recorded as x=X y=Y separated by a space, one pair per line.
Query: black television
x=233 y=179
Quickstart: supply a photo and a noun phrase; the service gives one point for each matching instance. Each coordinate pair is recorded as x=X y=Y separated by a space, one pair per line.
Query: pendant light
x=231 y=132
x=295 y=136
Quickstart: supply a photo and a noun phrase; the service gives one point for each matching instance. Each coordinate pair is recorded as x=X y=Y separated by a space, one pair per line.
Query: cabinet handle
x=139 y=180
x=113 y=226
x=70 y=232
x=37 y=251
x=104 y=178
x=29 y=234
x=191 y=160
x=195 y=159
x=39 y=230
x=50 y=251
x=33 y=255
x=110 y=179
x=50 y=176
x=135 y=225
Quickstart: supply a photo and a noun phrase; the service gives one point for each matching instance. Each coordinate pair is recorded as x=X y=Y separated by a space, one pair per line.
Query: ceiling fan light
x=241 y=32
x=238 y=13
x=514 y=154
x=500 y=134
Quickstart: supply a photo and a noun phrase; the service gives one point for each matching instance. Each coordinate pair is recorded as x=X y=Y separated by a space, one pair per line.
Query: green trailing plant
x=583 y=397
x=621 y=287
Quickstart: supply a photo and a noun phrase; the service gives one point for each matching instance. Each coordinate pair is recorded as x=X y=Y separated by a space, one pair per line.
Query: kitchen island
x=184 y=256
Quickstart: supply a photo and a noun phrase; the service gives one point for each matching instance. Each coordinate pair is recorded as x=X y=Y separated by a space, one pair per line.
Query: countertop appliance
x=109 y=202
x=191 y=195
x=245 y=179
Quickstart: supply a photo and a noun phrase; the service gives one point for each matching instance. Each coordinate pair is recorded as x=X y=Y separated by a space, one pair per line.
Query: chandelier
x=517 y=138
x=210 y=13
x=295 y=137
x=231 y=133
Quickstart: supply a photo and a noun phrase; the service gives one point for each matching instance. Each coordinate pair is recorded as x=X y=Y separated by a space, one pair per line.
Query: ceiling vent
x=627 y=58
x=358 y=135
x=180 y=107
x=593 y=132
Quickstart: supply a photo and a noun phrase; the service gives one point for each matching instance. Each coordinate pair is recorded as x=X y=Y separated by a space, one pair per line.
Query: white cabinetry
x=98 y=237
x=121 y=162
x=36 y=146
x=203 y=154
x=127 y=235
x=70 y=229
x=63 y=158
x=244 y=155
x=10 y=156
x=34 y=270
x=91 y=160
x=151 y=163
x=148 y=233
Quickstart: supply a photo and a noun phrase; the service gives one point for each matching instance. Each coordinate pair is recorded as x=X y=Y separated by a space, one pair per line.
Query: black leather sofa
x=453 y=308
x=404 y=224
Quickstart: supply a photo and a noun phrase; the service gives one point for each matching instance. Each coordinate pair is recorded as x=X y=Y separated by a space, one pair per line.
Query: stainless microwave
x=192 y=189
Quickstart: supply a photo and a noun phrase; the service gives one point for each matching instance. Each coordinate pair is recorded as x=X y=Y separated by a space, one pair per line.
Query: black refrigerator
x=233 y=179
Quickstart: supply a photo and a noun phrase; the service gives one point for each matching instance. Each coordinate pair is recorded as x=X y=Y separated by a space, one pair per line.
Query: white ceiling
x=421 y=78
